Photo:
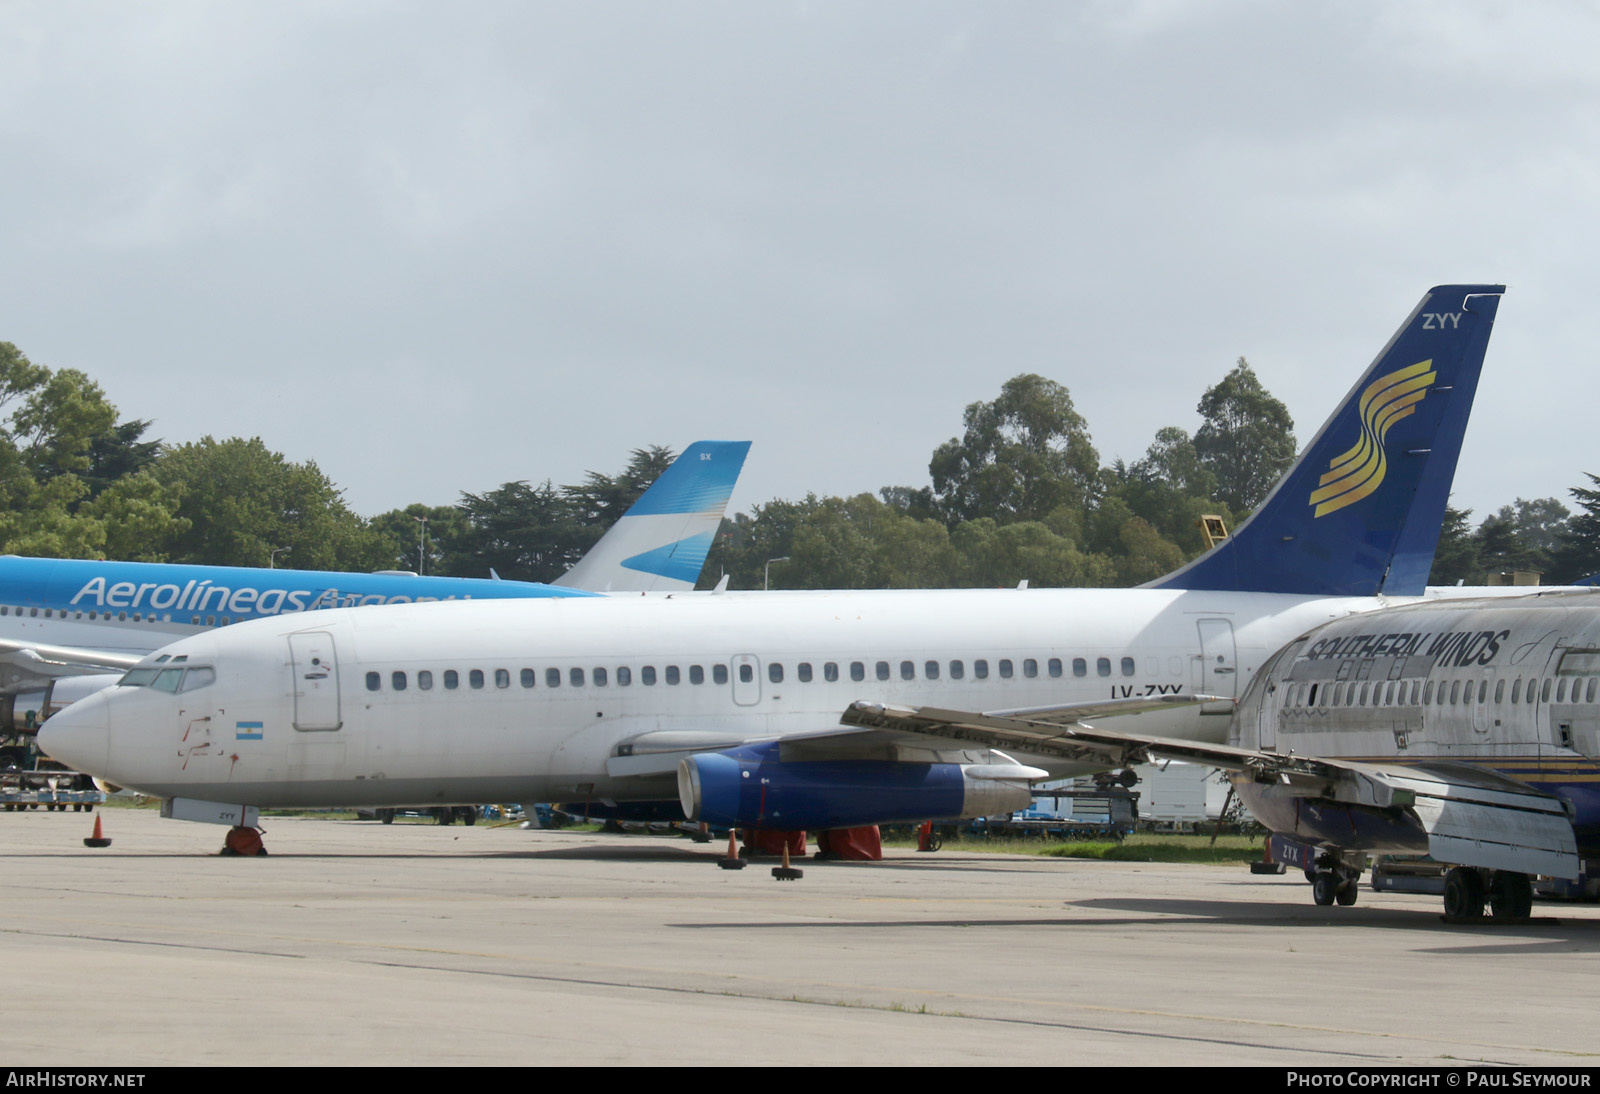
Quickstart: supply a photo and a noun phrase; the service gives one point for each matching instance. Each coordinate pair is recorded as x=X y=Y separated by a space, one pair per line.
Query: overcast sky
x=436 y=247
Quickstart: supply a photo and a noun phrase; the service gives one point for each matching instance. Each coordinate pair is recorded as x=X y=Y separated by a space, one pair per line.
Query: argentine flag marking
x=247 y=731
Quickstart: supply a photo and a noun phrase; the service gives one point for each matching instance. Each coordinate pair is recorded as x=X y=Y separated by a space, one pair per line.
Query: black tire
x=1510 y=895
x=1348 y=892
x=469 y=816
x=1463 y=895
x=1325 y=889
x=386 y=816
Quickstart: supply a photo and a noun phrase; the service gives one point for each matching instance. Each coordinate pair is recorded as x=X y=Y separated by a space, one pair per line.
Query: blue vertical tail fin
x=662 y=541
x=1359 y=513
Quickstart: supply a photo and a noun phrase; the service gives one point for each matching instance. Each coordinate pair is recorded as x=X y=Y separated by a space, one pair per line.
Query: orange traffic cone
x=98 y=839
x=732 y=861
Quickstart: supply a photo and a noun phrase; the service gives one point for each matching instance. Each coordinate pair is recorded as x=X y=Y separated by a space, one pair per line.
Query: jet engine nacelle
x=751 y=787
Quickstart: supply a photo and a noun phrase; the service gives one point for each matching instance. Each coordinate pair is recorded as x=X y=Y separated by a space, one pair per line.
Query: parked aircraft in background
x=1467 y=731
x=731 y=703
x=69 y=618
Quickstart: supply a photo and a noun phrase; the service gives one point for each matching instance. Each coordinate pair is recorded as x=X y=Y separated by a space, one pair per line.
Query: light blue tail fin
x=1359 y=513
x=662 y=541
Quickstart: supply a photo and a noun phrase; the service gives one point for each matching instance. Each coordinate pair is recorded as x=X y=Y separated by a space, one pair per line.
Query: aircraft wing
x=1468 y=816
x=48 y=662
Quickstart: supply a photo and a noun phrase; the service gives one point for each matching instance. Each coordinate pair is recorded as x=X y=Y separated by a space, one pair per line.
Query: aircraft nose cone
x=79 y=736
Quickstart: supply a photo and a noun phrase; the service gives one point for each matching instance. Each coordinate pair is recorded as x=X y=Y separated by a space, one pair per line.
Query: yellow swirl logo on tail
x=1358 y=472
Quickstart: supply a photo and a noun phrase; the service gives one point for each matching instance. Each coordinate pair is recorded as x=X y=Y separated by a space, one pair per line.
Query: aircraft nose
x=79 y=736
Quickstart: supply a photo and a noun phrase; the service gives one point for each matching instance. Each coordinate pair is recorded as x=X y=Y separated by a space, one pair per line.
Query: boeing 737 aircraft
x=731 y=703
x=74 y=618
x=1468 y=731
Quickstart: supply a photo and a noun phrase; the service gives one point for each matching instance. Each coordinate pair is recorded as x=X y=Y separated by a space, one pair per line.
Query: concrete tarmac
x=359 y=943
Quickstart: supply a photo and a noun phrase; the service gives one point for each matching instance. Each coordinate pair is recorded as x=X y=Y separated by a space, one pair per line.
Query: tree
x=403 y=535
x=61 y=448
x=1247 y=439
x=1022 y=456
x=242 y=501
x=1455 y=561
x=521 y=532
x=1578 y=556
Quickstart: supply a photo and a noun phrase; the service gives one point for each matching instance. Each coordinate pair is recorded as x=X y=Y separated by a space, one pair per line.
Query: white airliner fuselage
x=554 y=700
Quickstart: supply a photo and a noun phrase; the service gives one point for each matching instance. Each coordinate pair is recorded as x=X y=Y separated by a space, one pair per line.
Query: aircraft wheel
x=1348 y=892
x=1463 y=894
x=1510 y=895
x=386 y=815
x=469 y=815
x=1325 y=889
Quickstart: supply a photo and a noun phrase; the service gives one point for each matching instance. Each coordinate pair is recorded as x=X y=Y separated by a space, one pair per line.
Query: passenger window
x=1005 y=669
x=719 y=674
x=697 y=674
x=980 y=669
x=1589 y=695
x=647 y=676
x=1455 y=692
x=1080 y=667
x=1053 y=666
x=624 y=676
x=858 y=671
x=552 y=678
x=803 y=671
x=930 y=669
x=425 y=680
x=1030 y=668
x=575 y=677
x=908 y=671
x=1561 y=690
x=672 y=674
x=746 y=674
x=397 y=680
x=452 y=680
x=1127 y=666
x=830 y=673
x=529 y=678
x=1499 y=690
x=475 y=678
x=599 y=677
x=374 y=681
x=882 y=669
x=1544 y=691
x=775 y=672
x=1102 y=666
x=502 y=678
x=957 y=670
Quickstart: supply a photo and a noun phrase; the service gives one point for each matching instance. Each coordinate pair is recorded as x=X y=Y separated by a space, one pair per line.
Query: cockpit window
x=197 y=678
x=168 y=680
x=172 y=678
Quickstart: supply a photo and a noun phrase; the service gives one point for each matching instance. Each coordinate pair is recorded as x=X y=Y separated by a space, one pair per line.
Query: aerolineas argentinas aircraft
x=77 y=620
x=731 y=703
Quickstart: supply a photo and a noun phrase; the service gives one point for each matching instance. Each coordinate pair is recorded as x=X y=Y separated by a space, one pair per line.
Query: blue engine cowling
x=752 y=787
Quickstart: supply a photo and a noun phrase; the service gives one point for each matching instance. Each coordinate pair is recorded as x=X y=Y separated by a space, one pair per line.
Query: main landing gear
x=1509 y=895
x=1333 y=880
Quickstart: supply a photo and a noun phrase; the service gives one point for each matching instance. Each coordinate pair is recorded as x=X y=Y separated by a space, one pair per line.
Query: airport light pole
x=766 y=572
x=272 y=558
x=422 y=545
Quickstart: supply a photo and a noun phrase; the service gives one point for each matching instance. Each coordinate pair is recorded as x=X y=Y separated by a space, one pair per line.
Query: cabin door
x=1218 y=673
x=316 y=681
